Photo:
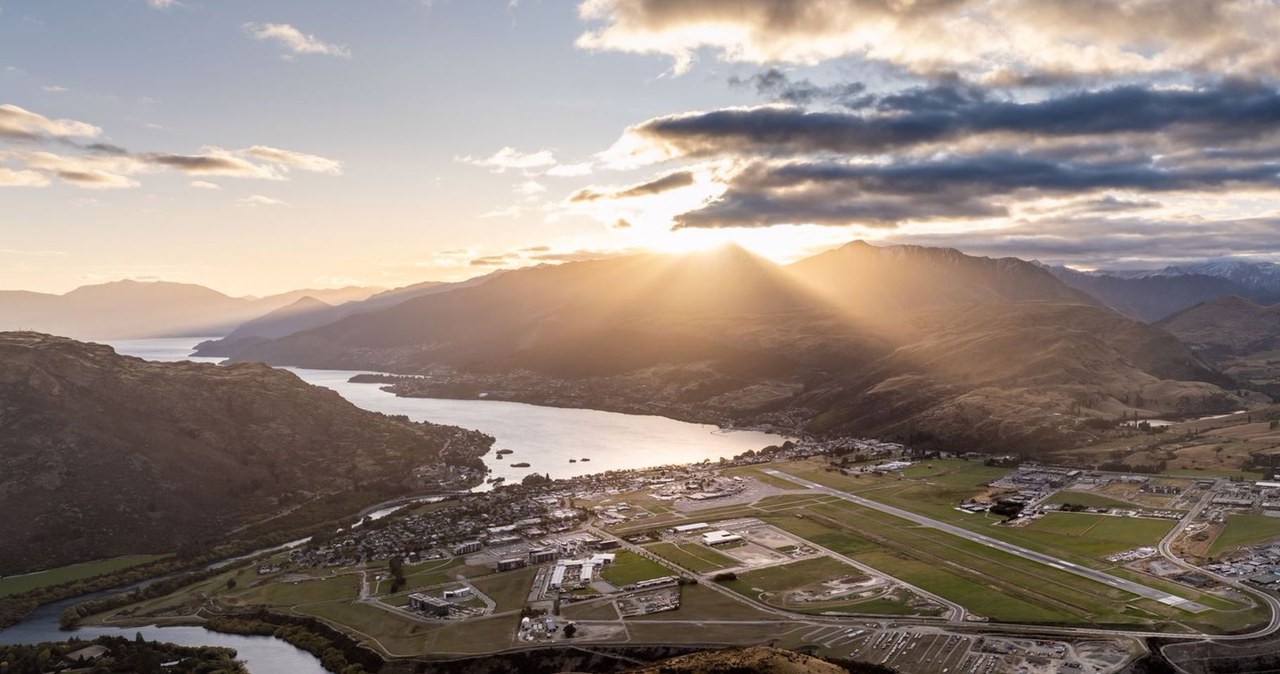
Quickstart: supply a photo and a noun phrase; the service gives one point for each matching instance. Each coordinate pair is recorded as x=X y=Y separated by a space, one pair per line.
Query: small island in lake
x=522 y=464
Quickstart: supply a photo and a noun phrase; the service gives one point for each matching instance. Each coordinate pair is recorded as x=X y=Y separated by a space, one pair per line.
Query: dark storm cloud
x=658 y=185
x=776 y=85
x=1100 y=242
x=88 y=178
x=884 y=195
x=1222 y=114
x=195 y=163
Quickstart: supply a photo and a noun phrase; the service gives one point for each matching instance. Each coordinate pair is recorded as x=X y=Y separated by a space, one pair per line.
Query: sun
x=693 y=240
x=781 y=244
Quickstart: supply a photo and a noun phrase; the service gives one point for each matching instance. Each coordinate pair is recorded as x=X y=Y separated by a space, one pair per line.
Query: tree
x=570 y=630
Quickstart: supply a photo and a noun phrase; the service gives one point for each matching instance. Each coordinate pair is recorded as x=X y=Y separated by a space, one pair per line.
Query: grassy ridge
x=74 y=572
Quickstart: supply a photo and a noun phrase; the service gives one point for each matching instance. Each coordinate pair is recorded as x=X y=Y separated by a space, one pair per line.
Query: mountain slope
x=895 y=341
x=105 y=455
x=270 y=327
x=860 y=277
x=1238 y=335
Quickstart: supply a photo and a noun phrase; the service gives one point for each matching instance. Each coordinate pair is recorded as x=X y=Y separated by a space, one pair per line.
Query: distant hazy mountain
x=1149 y=296
x=329 y=296
x=302 y=316
x=132 y=309
x=886 y=341
x=1259 y=279
x=104 y=455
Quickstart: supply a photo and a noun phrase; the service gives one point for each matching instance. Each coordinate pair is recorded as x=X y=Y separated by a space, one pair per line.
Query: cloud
x=22 y=178
x=96 y=180
x=16 y=122
x=509 y=158
x=1213 y=115
x=294 y=40
x=1132 y=242
x=306 y=162
x=949 y=188
x=163 y=4
x=1010 y=39
x=490 y=261
x=540 y=162
x=101 y=165
x=55 y=89
x=778 y=86
x=205 y=185
x=530 y=188
x=260 y=200
x=664 y=183
x=570 y=170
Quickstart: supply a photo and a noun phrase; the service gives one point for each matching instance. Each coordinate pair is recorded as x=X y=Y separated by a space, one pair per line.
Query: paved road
x=1048 y=560
x=1166 y=551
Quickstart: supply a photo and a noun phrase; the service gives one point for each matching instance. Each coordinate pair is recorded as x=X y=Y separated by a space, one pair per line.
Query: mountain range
x=135 y=309
x=145 y=457
x=895 y=341
x=1151 y=295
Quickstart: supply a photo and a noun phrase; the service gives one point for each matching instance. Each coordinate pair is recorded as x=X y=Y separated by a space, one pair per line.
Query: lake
x=544 y=437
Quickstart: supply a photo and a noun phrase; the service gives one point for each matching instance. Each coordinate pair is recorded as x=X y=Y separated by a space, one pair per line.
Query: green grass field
x=791 y=576
x=694 y=557
x=66 y=574
x=1245 y=530
x=628 y=568
x=508 y=590
x=306 y=591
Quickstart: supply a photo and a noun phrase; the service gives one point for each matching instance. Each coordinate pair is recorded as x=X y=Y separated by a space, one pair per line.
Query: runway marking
x=1003 y=546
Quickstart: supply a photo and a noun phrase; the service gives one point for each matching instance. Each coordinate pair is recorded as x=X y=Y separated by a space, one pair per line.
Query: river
x=544 y=437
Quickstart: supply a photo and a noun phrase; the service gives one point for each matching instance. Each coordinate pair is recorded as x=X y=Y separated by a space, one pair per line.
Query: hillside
x=865 y=279
x=895 y=341
x=300 y=316
x=1240 y=336
x=145 y=457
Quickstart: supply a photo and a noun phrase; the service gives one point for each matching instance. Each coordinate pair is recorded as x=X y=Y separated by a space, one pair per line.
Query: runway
x=1047 y=560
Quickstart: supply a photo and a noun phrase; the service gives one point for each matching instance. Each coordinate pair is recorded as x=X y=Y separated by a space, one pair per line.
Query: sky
x=261 y=146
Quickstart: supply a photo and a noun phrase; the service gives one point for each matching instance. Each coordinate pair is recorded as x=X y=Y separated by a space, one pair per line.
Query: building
x=719 y=537
x=609 y=544
x=690 y=528
x=467 y=548
x=573 y=572
x=504 y=541
x=425 y=603
x=511 y=564
x=542 y=555
x=87 y=654
x=459 y=594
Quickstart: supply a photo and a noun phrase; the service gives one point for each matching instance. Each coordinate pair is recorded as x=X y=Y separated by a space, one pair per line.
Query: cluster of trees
x=337 y=652
x=396 y=566
x=1144 y=468
x=136 y=657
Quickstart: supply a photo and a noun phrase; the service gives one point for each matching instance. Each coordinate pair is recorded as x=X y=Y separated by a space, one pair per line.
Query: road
x=1003 y=546
x=1166 y=550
